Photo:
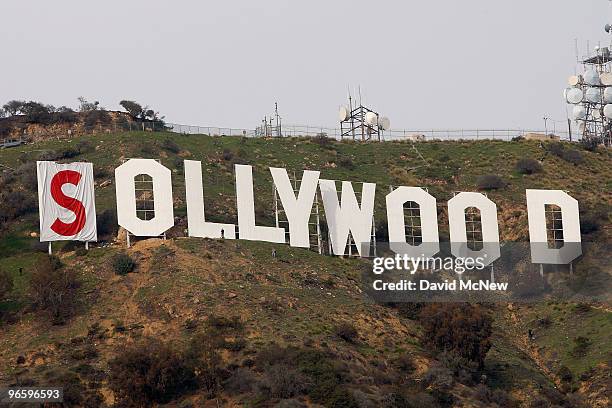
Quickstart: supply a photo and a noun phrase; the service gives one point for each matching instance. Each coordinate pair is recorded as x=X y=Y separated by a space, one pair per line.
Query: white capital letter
x=429 y=222
x=570 y=219
x=196 y=221
x=348 y=217
x=126 y=197
x=297 y=210
x=245 y=201
x=458 y=232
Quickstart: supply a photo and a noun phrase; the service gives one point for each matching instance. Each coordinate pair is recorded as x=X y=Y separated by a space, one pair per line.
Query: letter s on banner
x=66 y=202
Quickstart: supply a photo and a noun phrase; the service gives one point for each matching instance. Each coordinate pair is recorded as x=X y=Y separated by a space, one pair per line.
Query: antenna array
x=590 y=93
x=361 y=122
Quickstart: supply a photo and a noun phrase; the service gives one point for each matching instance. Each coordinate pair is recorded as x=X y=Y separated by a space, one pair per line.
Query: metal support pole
x=318 y=226
x=50 y=251
x=275 y=205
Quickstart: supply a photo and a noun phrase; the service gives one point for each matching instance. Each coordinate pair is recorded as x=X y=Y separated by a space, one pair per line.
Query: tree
x=2 y=113
x=86 y=106
x=13 y=107
x=138 y=112
x=133 y=108
x=53 y=289
x=36 y=108
x=459 y=328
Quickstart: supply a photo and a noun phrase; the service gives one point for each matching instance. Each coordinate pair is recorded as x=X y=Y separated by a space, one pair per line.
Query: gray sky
x=425 y=64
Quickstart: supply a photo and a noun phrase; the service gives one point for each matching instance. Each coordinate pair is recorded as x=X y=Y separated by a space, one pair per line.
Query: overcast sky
x=426 y=64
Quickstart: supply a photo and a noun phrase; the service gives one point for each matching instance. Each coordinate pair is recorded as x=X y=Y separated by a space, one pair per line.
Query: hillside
x=295 y=329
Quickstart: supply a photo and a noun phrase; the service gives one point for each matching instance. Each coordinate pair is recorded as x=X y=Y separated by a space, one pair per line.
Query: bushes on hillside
x=14 y=204
x=140 y=113
x=528 y=166
x=96 y=117
x=346 y=332
x=346 y=162
x=317 y=369
x=573 y=156
x=107 y=224
x=150 y=372
x=569 y=155
x=6 y=284
x=123 y=264
x=592 y=220
x=203 y=355
x=459 y=328
x=13 y=107
x=581 y=346
x=53 y=289
x=281 y=381
x=565 y=374
x=171 y=146
x=36 y=112
x=490 y=182
x=323 y=141
x=590 y=143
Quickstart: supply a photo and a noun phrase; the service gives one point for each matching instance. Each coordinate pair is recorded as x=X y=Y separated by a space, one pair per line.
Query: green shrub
x=556 y=149
x=565 y=374
x=6 y=284
x=581 y=346
x=323 y=141
x=53 y=289
x=171 y=146
x=323 y=373
x=592 y=220
x=14 y=204
x=281 y=381
x=222 y=322
x=573 y=156
x=227 y=155
x=202 y=354
x=69 y=153
x=458 y=328
x=346 y=332
x=123 y=264
x=346 y=162
x=405 y=363
x=341 y=398
x=570 y=156
x=96 y=117
x=150 y=372
x=490 y=182
x=107 y=224
x=528 y=166
x=240 y=381
x=590 y=143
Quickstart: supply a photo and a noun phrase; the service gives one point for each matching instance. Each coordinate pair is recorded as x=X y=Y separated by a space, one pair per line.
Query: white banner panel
x=66 y=202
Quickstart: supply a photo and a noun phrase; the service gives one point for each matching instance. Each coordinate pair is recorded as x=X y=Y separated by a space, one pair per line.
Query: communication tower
x=590 y=93
x=271 y=126
x=361 y=122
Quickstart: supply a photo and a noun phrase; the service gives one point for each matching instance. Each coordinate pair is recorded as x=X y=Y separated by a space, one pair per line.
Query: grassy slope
x=271 y=295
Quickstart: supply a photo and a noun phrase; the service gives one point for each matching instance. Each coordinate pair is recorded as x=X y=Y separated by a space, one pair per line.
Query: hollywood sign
x=67 y=211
